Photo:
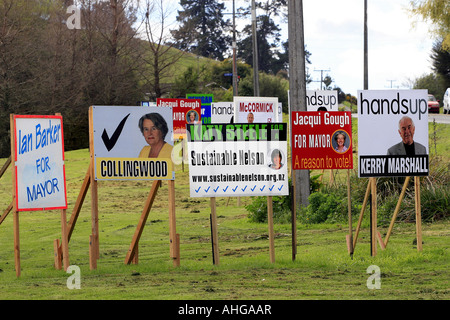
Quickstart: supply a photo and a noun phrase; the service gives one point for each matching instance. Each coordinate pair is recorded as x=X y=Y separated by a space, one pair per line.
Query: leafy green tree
x=433 y=82
x=327 y=82
x=187 y=82
x=202 y=29
x=269 y=86
x=220 y=72
x=438 y=13
x=441 y=62
x=267 y=51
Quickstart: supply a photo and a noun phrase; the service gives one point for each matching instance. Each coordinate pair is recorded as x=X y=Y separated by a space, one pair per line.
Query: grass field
x=322 y=269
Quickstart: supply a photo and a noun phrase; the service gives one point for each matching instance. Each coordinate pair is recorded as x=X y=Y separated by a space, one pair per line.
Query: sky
x=398 y=51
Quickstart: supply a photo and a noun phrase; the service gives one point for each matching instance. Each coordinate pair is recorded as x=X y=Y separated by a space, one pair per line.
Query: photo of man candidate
x=407 y=146
x=154 y=129
x=250 y=117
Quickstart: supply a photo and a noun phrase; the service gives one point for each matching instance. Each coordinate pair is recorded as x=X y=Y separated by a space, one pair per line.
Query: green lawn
x=322 y=269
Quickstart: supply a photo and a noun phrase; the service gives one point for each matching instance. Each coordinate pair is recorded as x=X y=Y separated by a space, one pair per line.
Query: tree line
x=64 y=56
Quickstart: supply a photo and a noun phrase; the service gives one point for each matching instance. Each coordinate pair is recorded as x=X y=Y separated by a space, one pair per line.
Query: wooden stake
x=271 y=233
x=92 y=260
x=6 y=212
x=374 y=217
x=16 y=241
x=176 y=262
x=358 y=226
x=140 y=227
x=418 y=213
x=293 y=223
x=349 y=204
x=135 y=259
x=397 y=209
x=64 y=240
x=172 y=224
x=14 y=208
x=79 y=203
x=380 y=240
x=214 y=232
x=94 y=252
x=57 y=251
x=5 y=166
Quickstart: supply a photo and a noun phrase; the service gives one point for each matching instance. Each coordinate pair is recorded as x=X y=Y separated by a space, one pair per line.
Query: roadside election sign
x=229 y=160
x=255 y=109
x=39 y=163
x=321 y=100
x=184 y=111
x=132 y=143
x=392 y=133
x=206 y=100
x=222 y=112
x=321 y=140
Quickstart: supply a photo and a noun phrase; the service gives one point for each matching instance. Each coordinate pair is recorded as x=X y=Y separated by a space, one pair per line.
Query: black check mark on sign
x=111 y=142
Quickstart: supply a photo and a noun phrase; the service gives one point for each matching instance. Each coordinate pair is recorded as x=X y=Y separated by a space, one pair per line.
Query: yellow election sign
x=133 y=168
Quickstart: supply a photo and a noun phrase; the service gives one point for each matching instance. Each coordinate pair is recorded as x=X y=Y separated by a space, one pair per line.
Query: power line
x=321 y=76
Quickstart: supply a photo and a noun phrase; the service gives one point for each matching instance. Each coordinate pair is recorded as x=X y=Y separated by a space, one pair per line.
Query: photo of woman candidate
x=340 y=139
x=192 y=117
x=154 y=129
x=277 y=159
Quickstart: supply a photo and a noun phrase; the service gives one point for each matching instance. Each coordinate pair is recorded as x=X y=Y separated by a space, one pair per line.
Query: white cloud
x=334 y=36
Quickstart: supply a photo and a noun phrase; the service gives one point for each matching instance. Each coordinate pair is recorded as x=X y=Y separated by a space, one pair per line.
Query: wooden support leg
x=361 y=215
x=172 y=225
x=374 y=217
x=397 y=209
x=140 y=227
x=64 y=240
x=214 y=233
x=58 y=257
x=16 y=242
x=6 y=212
x=418 y=213
x=271 y=232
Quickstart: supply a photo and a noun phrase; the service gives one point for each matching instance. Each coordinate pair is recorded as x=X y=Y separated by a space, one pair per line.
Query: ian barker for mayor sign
x=237 y=159
x=392 y=133
x=39 y=163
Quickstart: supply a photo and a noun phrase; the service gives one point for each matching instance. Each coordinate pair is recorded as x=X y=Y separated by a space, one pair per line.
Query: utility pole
x=297 y=85
x=391 y=81
x=255 y=53
x=235 y=75
x=372 y=180
x=234 y=47
x=366 y=58
x=321 y=76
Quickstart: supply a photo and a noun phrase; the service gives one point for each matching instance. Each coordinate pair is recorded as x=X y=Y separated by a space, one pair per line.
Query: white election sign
x=39 y=163
x=262 y=109
x=316 y=99
x=229 y=160
x=392 y=133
